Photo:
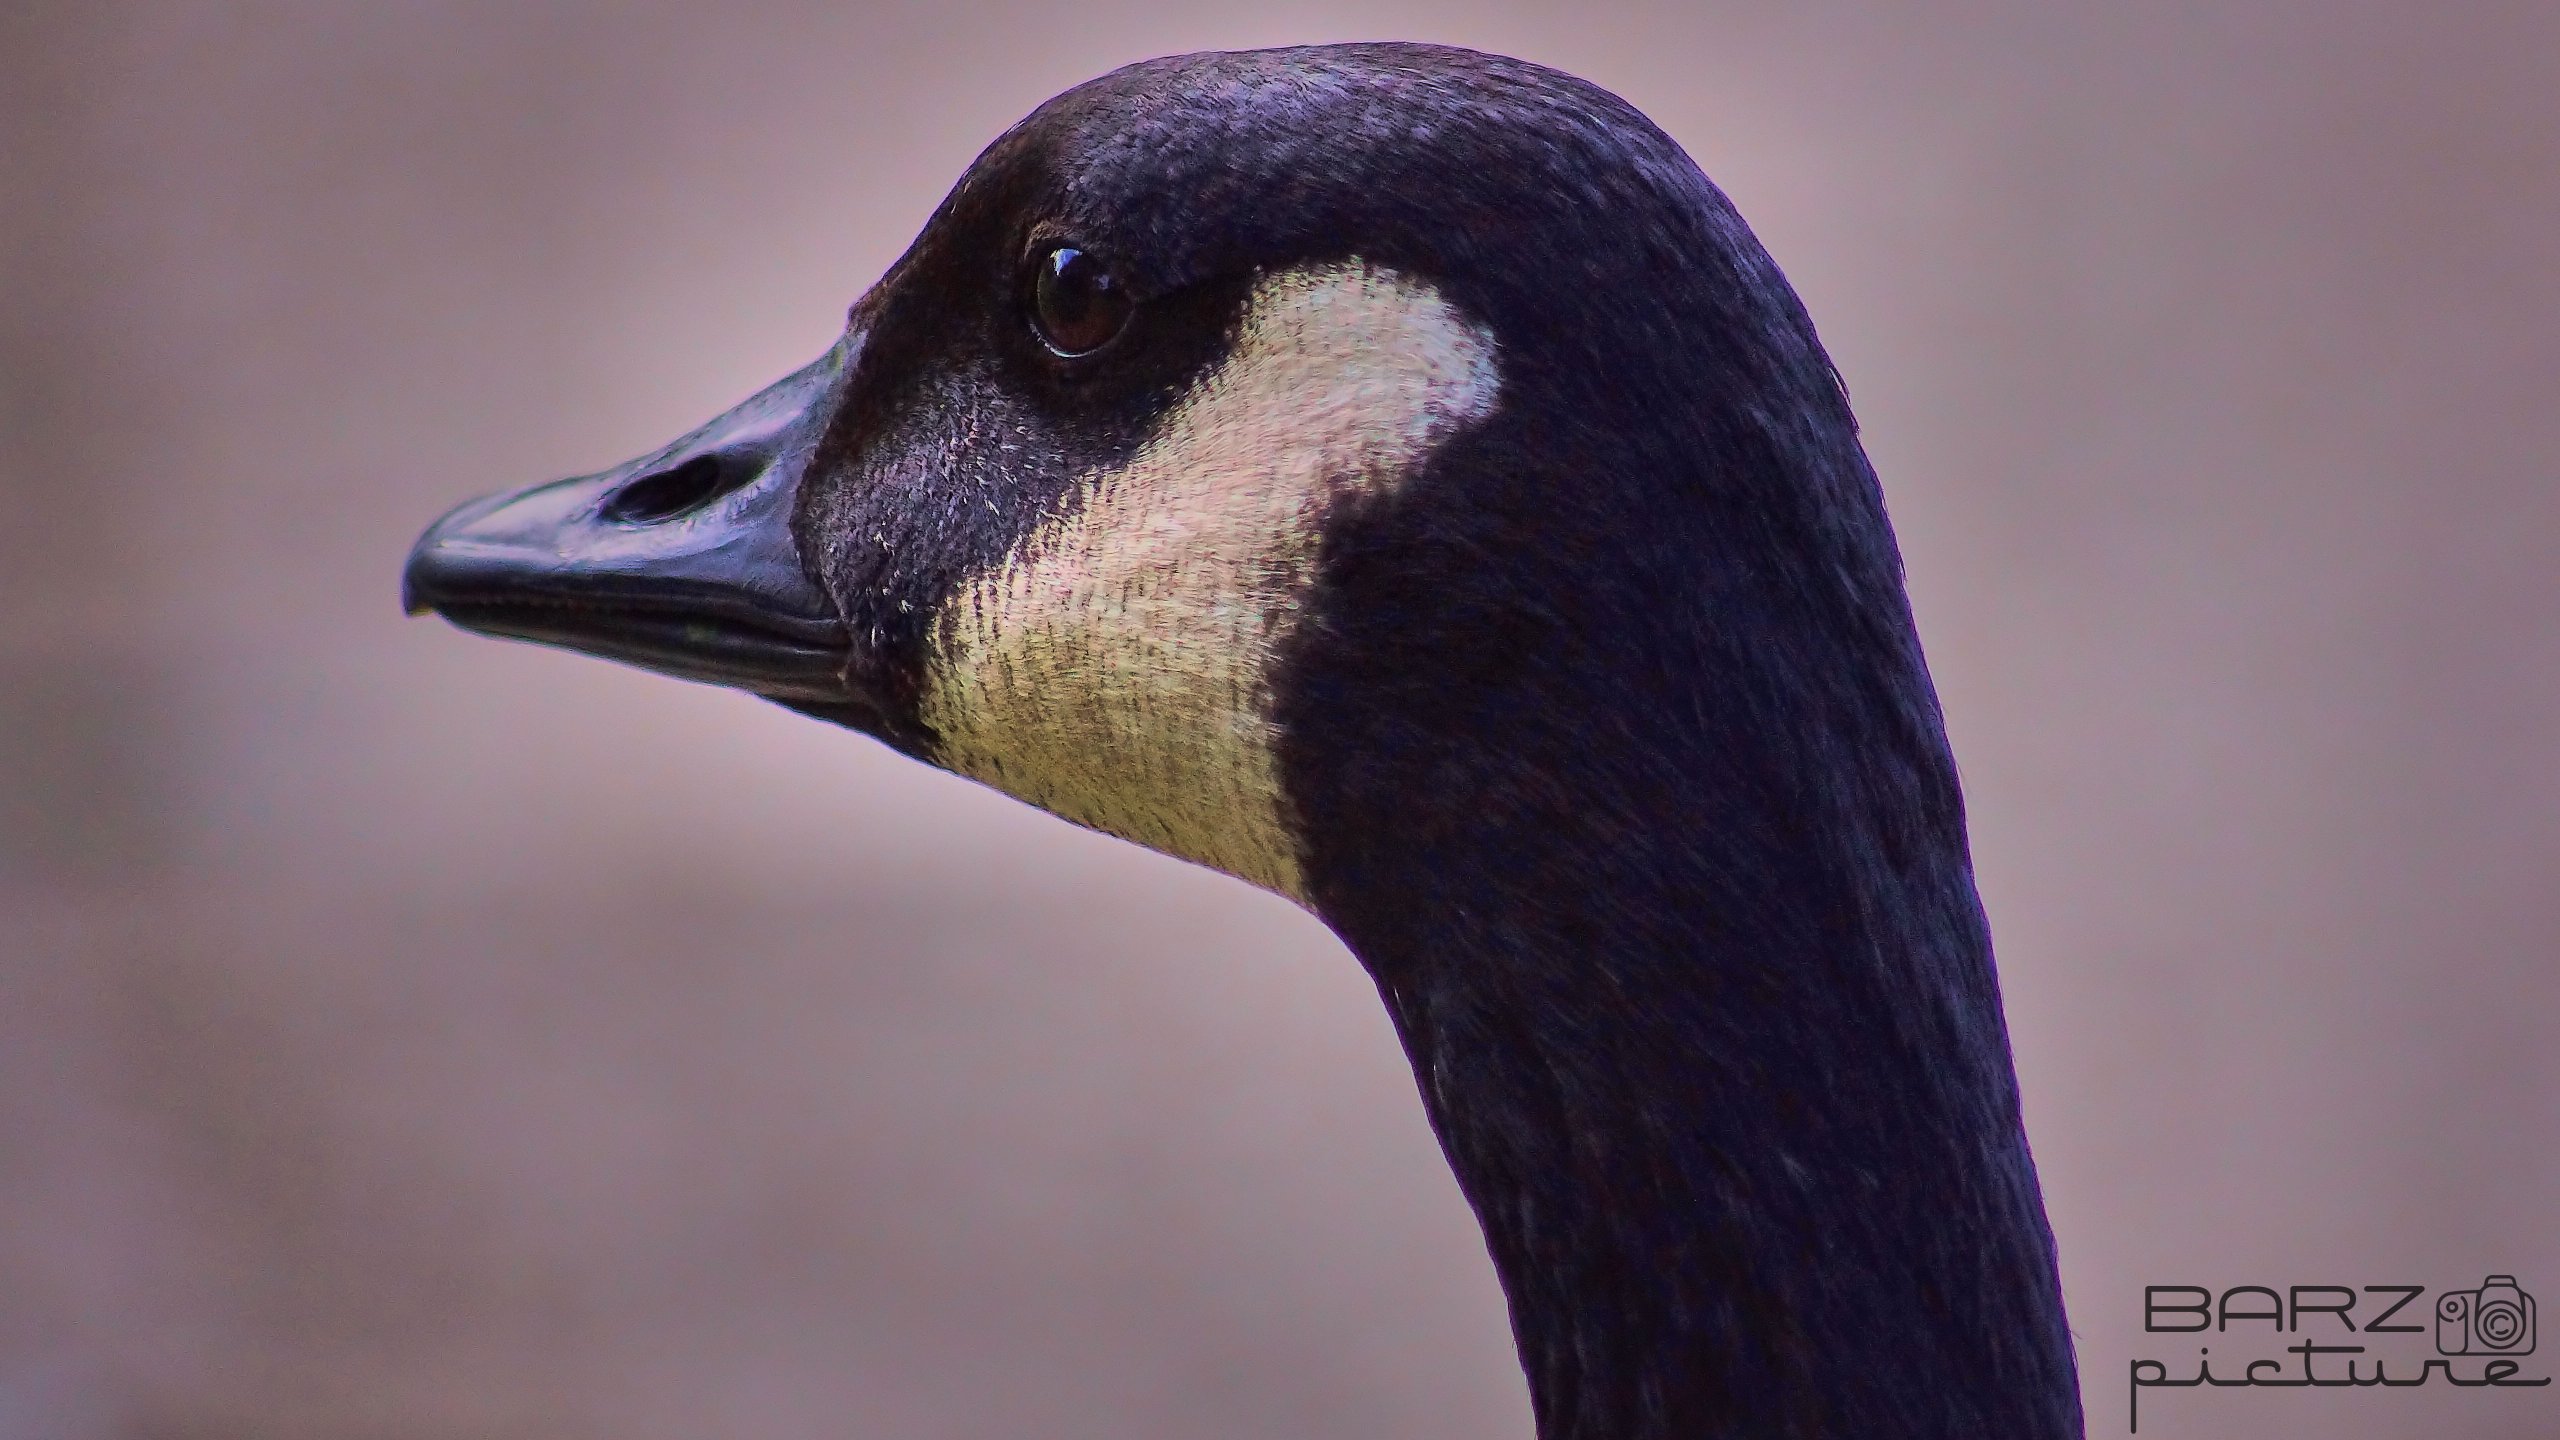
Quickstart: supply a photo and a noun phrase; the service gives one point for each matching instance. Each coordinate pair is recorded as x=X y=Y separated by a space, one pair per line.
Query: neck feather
x=1676 y=922
x=1760 y=1184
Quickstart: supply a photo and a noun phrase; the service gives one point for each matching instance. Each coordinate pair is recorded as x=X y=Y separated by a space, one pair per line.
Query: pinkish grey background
x=406 y=1035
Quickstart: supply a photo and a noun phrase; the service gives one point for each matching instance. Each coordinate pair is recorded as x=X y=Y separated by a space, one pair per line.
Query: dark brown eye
x=1077 y=306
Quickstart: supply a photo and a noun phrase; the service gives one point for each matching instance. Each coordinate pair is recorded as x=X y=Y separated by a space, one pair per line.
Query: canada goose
x=1395 y=476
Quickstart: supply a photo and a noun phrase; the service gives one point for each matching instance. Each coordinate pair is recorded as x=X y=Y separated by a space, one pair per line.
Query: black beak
x=682 y=561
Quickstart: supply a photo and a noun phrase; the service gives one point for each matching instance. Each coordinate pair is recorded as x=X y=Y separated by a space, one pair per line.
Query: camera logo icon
x=2496 y=1319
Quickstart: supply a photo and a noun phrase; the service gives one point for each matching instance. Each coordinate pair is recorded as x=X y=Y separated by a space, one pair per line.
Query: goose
x=1395 y=476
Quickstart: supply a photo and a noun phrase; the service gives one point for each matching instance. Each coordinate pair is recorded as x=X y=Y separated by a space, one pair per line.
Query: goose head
x=1395 y=476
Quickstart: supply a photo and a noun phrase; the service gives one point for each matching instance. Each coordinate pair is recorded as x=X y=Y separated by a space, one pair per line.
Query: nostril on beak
x=680 y=490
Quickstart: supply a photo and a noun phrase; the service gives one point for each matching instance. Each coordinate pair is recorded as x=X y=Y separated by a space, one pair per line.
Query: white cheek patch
x=1116 y=669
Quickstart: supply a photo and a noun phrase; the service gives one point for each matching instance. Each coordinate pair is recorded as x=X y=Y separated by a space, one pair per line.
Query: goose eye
x=1077 y=306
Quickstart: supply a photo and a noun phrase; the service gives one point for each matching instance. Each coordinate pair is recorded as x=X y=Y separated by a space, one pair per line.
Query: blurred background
x=408 y=1035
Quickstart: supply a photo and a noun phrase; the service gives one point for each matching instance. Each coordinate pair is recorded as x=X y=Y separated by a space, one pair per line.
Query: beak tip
x=413 y=589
